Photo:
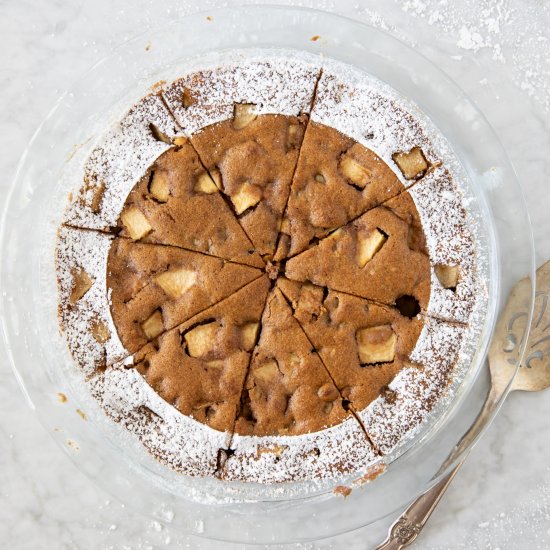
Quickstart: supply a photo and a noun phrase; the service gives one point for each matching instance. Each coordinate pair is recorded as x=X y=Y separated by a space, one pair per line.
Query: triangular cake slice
x=154 y=288
x=379 y=256
x=253 y=161
x=200 y=366
x=336 y=180
x=362 y=344
x=287 y=391
x=178 y=204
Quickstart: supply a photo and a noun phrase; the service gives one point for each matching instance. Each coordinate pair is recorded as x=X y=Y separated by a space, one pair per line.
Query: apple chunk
x=82 y=283
x=247 y=196
x=206 y=184
x=243 y=115
x=200 y=339
x=159 y=187
x=447 y=275
x=355 y=172
x=413 y=164
x=153 y=325
x=376 y=344
x=136 y=223
x=368 y=245
x=176 y=282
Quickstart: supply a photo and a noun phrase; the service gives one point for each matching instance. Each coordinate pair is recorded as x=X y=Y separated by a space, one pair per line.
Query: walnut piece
x=355 y=172
x=412 y=164
x=175 y=282
x=447 y=275
x=153 y=325
x=100 y=332
x=376 y=344
x=368 y=245
x=249 y=331
x=243 y=115
x=205 y=184
x=159 y=187
x=82 y=283
x=200 y=339
x=267 y=372
x=136 y=223
x=247 y=196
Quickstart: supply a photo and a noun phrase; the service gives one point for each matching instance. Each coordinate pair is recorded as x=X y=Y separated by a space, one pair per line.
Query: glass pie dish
x=29 y=313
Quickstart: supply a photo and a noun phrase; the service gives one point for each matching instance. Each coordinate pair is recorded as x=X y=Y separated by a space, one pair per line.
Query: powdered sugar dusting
x=329 y=454
x=450 y=242
x=178 y=441
x=276 y=85
x=440 y=355
x=118 y=162
x=370 y=112
x=86 y=250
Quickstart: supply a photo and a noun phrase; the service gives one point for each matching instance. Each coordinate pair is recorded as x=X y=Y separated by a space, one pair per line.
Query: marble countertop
x=498 y=50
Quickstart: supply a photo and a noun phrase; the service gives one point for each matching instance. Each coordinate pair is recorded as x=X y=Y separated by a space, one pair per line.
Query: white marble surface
x=499 y=51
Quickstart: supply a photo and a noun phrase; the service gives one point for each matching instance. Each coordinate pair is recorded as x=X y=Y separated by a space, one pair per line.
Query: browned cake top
x=335 y=315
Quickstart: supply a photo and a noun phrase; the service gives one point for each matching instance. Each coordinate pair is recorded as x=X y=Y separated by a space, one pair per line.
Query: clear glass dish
x=38 y=194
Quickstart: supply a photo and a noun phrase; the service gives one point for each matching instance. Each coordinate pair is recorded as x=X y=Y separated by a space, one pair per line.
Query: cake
x=269 y=273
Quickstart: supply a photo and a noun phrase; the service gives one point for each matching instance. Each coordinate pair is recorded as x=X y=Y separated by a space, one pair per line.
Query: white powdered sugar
x=117 y=163
x=450 y=242
x=178 y=441
x=332 y=453
x=86 y=251
x=275 y=85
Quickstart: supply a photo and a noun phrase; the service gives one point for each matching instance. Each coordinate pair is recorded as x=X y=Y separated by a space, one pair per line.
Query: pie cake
x=269 y=271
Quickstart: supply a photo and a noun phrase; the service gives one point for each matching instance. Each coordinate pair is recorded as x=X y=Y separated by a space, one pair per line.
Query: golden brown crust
x=395 y=270
x=334 y=322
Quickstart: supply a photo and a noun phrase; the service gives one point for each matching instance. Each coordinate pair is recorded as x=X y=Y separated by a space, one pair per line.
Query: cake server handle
x=409 y=524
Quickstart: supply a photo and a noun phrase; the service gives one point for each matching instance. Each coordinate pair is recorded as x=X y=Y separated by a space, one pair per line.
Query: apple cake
x=269 y=272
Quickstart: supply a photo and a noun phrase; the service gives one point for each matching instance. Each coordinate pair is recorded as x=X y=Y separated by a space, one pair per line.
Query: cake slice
x=379 y=256
x=253 y=163
x=336 y=180
x=154 y=288
x=363 y=345
x=287 y=390
x=199 y=367
x=178 y=204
